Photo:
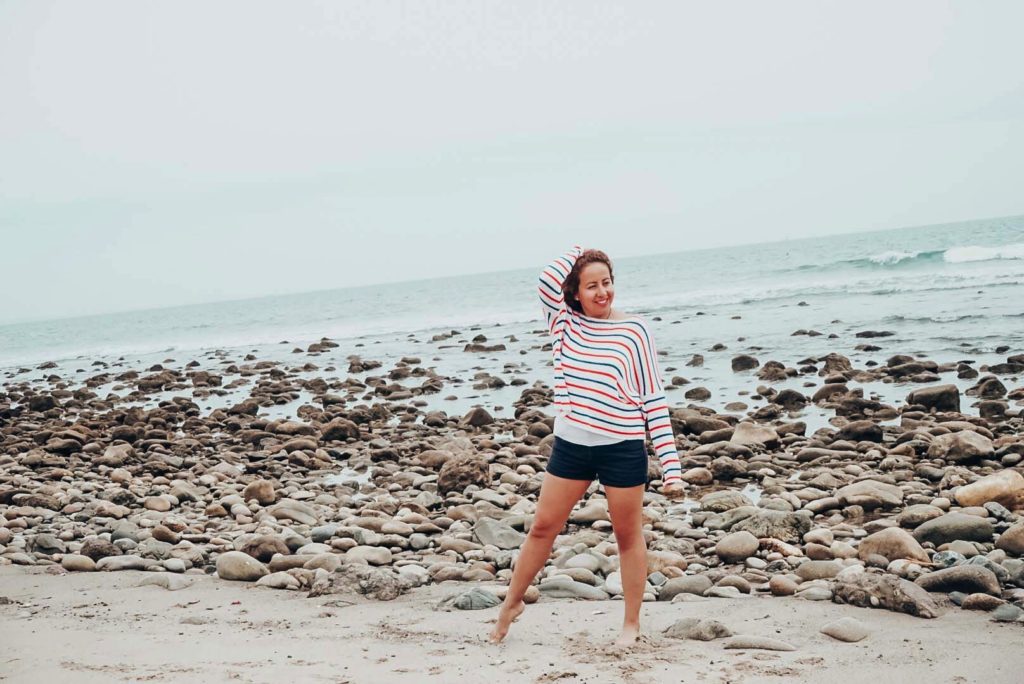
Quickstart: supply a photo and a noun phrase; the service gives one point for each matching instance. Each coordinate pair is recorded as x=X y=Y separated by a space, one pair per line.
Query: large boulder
x=861 y=431
x=892 y=543
x=940 y=398
x=461 y=471
x=1005 y=487
x=961 y=447
x=954 y=526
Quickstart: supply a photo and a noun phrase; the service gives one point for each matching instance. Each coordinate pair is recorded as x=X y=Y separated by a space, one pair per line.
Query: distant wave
x=893 y=259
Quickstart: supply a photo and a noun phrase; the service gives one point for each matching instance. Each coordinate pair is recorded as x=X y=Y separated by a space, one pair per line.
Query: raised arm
x=655 y=409
x=549 y=287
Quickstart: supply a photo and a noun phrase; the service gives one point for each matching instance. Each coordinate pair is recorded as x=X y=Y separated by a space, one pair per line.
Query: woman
x=608 y=395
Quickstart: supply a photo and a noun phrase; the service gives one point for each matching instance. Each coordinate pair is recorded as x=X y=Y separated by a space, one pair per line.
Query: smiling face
x=596 y=290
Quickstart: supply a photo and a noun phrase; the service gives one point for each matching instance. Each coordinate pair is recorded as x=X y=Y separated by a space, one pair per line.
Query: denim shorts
x=623 y=464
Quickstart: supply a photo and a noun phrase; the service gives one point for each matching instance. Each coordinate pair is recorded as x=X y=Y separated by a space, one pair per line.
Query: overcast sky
x=154 y=154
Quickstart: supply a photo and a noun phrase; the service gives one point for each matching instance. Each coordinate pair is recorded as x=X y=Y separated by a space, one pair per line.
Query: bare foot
x=628 y=637
x=506 y=617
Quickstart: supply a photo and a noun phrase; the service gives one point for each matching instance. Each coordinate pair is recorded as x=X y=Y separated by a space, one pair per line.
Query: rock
x=724 y=500
x=97 y=548
x=474 y=599
x=461 y=471
x=892 y=543
x=814 y=592
x=954 y=526
x=687 y=584
x=736 y=547
x=983 y=602
x=846 y=629
x=239 y=567
x=288 y=509
x=781 y=585
x=128 y=562
x=966 y=578
x=591 y=513
x=1005 y=487
x=1012 y=540
x=165 y=580
x=562 y=586
x=861 y=431
x=697 y=629
x=1008 y=613
x=961 y=447
x=371 y=555
x=279 y=580
x=698 y=476
x=374 y=583
x=940 y=398
x=821 y=569
x=264 y=546
x=724 y=592
x=497 y=533
x=743 y=641
x=340 y=429
x=781 y=525
x=869 y=590
x=751 y=434
x=915 y=515
x=476 y=417
x=77 y=563
x=870 y=494
x=744 y=362
x=261 y=490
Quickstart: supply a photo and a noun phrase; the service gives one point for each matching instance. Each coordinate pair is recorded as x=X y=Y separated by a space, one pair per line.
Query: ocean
x=948 y=292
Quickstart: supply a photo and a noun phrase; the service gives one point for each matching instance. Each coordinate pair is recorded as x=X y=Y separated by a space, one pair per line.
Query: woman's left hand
x=674 y=490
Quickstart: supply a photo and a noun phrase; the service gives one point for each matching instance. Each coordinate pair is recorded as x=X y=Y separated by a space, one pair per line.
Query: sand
x=104 y=627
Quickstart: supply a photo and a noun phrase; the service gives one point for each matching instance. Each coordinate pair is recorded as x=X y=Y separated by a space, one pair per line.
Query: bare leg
x=625 y=506
x=557 y=497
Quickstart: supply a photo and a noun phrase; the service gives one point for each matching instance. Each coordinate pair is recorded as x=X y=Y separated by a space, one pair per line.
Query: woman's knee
x=545 y=528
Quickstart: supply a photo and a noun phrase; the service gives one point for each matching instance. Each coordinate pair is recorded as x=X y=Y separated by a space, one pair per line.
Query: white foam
x=960 y=255
x=893 y=257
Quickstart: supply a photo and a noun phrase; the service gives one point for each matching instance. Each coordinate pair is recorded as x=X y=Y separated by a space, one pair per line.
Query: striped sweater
x=606 y=371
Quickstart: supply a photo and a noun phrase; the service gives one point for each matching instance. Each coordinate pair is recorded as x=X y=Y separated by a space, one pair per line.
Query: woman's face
x=596 y=290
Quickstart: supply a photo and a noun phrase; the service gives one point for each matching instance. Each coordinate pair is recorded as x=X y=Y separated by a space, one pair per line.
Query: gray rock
x=497 y=533
x=1008 y=613
x=961 y=447
x=969 y=579
x=870 y=494
x=687 y=584
x=697 y=629
x=130 y=562
x=954 y=526
x=378 y=584
x=724 y=500
x=474 y=599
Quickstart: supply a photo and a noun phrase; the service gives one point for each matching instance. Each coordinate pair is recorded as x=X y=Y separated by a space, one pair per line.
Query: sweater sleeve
x=655 y=409
x=550 y=287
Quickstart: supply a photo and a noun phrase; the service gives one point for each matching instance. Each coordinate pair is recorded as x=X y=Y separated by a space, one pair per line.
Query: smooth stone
x=813 y=570
x=892 y=543
x=724 y=592
x=239 y=567
x=1008 y=613
x=560 y=586
x=970 y=579
x=166 y=580
x=780 y=585
x=475 y=599
x=687 y=584
x=983 y=602
x=77 y=563
x=848 y=629
x=954 y=526
x=743 y=641
x=129 y=562
x=736 y=547
x=814 y=593
x=279 y=580
x=496 y=533
x=1012 y=540
x=371 y=555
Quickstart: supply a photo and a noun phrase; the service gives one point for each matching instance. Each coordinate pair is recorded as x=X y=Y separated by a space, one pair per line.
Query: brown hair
x=571 y=286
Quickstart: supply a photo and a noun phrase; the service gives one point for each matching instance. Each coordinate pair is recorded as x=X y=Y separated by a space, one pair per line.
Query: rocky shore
x=371 y=489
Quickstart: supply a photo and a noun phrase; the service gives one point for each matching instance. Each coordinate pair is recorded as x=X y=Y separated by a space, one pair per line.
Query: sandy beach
x=101 y=627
